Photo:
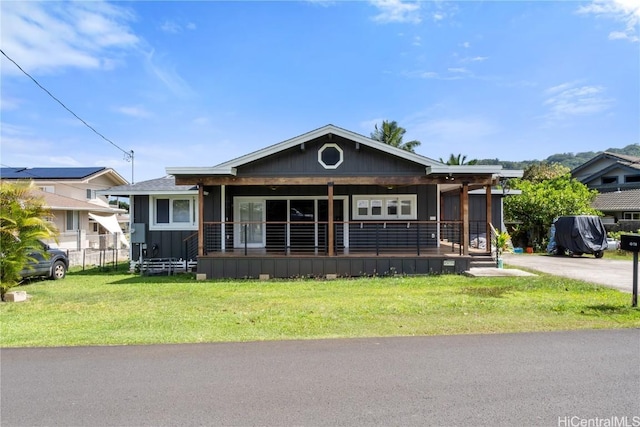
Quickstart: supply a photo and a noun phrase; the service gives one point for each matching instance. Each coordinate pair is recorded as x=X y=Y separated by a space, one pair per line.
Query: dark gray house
x=328 y=202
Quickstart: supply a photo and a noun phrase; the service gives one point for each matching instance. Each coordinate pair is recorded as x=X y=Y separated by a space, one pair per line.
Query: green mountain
x=571 y=160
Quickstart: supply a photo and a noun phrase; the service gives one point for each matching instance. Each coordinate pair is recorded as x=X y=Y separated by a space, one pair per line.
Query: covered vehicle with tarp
x=578 y=235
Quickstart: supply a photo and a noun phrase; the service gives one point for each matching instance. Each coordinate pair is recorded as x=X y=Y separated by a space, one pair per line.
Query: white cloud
x=174 y=27
x=397 y=11
x=133 y=111
x=369 y=125
x=467 y=129
x=626 y=12
x=475 y=59
x=47 y=36
x=8 y=104
x=201 y=121
x=167 y=75
x=459 y=70
x=63 y=161
x=465 y=45
x=170 y=27
x=569 y=99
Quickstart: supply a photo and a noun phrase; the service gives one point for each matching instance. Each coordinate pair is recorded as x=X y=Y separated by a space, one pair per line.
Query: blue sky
x=200 y=83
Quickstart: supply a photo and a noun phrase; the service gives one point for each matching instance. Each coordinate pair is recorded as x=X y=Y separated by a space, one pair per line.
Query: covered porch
x=332 y=202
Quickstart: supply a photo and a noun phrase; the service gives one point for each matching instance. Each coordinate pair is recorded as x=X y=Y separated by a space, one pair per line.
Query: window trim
x=330 y=145
x=171 y=225
x=384 y=201
x=74 y=218
x=91 y=194
x=631 y=214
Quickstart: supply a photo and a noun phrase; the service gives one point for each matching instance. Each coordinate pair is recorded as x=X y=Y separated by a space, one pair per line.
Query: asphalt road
x=535 y=379
x=617 y=274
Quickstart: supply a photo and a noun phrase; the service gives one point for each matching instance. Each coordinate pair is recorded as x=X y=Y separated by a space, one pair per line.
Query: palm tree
x=390 y=133
x=459 y=160
x=22 y=225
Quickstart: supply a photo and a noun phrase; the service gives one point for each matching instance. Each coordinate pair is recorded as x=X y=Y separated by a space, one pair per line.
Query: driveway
x=534 y=379
x=616 y=274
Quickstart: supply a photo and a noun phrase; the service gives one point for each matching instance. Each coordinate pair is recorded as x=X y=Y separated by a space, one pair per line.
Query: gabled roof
x=627 y=200
x=631 y=161
x=616 y=161
x=230 y=167
x=164 y=185
x=58 y=202
x=55 y=174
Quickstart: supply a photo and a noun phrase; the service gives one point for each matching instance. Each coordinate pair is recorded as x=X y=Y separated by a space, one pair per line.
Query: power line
x=128 y=154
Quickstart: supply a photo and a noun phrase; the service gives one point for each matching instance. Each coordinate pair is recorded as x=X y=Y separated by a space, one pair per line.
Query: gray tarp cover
x=581 y=234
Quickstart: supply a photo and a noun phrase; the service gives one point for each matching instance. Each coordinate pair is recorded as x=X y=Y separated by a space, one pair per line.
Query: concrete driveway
x=608 y=272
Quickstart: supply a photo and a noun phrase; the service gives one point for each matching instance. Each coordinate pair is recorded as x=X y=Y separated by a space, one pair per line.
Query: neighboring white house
x=84 y=218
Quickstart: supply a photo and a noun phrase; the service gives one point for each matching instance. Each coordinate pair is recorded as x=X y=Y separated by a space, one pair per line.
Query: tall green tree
x=392 y=134
x=540 y=202
x=539 y=172
x=22 y=225
x=459 y=160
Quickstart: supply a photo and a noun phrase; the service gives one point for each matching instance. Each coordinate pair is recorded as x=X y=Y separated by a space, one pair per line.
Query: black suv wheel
x=58 y=270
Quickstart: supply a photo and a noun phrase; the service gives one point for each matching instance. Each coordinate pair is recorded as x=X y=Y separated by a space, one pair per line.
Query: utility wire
x=128 y=154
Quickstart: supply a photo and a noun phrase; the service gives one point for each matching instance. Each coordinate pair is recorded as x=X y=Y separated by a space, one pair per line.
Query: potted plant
x=502 y=244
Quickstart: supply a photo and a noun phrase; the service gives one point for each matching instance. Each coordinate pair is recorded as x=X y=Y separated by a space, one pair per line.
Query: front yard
x=114 y=308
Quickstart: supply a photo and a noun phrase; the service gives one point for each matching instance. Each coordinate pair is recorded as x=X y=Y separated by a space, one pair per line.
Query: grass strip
x=89 y=308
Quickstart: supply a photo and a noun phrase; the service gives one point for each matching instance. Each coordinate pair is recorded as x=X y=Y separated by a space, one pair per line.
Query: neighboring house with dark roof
x=327 y=202
x=84 y=218
x=617 y=178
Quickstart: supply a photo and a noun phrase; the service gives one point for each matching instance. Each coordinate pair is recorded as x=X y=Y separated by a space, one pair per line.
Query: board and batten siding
x=362 y=161
x=170 y=243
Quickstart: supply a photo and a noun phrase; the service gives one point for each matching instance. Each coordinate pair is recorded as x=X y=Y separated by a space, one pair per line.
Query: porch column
x=330 y=219
x=465 y=218
x=489 y=218
x=223 y=218
x=200 y=219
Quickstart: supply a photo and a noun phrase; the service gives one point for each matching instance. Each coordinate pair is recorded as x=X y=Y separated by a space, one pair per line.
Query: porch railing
x=312 y=237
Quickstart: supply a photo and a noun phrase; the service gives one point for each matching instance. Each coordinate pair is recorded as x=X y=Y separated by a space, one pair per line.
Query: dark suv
x=53 y=266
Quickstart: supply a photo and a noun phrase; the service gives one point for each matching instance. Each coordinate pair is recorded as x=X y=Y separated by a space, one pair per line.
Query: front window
x=177 y=212
x=631 y=216
x=402 y=206
x=73 y=220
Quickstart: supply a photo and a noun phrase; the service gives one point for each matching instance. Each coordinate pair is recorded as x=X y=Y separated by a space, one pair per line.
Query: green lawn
x=88 y=308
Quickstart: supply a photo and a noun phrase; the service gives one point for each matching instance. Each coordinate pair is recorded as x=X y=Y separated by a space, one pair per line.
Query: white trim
x=193 y=212
x=228 y=168
x=330 y=145
x=383 y=201
x=131 y=221
x=237 y=230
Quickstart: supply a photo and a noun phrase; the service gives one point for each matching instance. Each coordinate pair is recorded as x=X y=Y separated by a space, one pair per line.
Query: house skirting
x=252 y=267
